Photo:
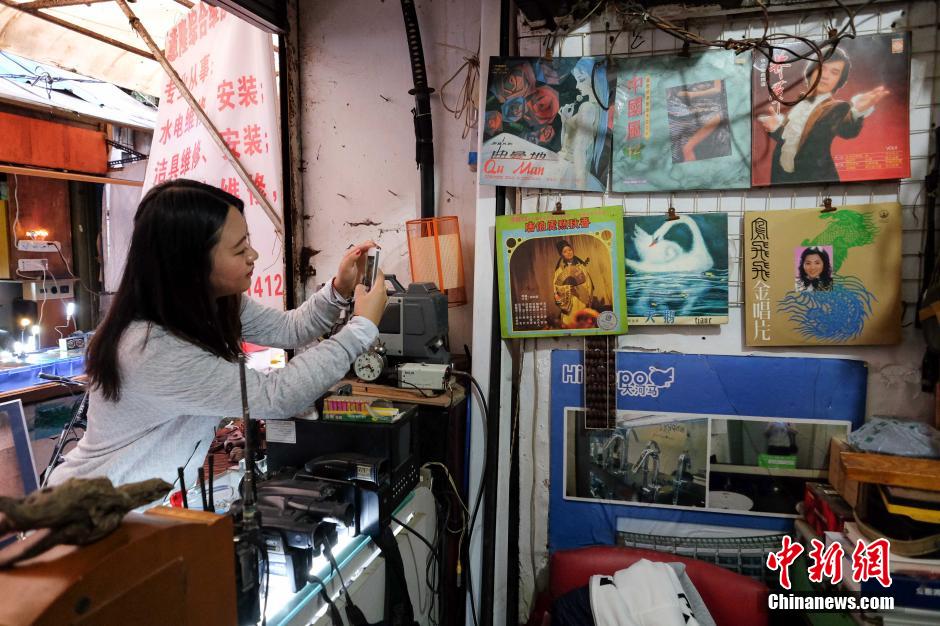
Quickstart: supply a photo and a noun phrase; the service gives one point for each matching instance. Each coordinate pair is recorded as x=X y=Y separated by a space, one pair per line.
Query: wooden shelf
x=63 y=175
x=754 y=470
x=38 y=393
x=399 y=394
x=900 y=471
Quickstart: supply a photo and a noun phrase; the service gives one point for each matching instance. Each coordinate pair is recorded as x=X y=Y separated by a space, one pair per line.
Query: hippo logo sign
x=645 y=383
x=572 y=374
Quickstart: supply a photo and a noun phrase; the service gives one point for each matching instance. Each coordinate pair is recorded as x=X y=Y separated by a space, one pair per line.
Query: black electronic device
x=414 y=326
x=349 y=466
x=301 y=517
x=375 y=456
x=413 y=329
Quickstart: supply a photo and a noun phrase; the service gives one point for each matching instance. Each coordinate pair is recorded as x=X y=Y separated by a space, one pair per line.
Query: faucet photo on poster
x=813 y=277
x=655 y=460
x=735 y=464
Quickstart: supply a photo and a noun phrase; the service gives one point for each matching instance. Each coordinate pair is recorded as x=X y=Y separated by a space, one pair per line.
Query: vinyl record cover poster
x=677 y=270
x=855 y=126
x=545 y=126
x=682 y=123
x=561 y=274
x=814 y=278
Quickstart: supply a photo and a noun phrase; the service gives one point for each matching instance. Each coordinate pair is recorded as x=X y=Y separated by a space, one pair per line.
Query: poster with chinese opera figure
x=561 y=274
x=677 y=270
x=546 y=123
x=813 y=278
x=682 y=123
x=853 y=126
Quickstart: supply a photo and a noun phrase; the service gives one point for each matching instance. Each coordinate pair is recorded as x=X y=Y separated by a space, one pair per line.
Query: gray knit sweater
x=173 y=393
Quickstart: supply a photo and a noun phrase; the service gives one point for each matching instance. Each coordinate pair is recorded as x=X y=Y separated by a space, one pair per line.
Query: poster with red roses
x=548 y=123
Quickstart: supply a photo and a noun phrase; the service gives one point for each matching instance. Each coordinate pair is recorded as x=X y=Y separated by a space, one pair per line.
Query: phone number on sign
x=267 y=285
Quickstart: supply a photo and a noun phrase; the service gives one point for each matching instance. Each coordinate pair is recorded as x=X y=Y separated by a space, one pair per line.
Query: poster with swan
x=682 y=123
x=561 y=274
x=546 y=123
x=677 y=270
x=823 y=278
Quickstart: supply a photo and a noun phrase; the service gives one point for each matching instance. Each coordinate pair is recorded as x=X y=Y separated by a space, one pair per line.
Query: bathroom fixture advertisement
x=738 y=464
x=701 y=439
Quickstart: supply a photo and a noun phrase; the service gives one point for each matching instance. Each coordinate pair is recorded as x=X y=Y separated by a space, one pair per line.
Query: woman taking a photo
x=163 y=366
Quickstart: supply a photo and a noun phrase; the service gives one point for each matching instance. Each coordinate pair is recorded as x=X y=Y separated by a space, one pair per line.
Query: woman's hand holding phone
x=370 y=303
x=351 y=268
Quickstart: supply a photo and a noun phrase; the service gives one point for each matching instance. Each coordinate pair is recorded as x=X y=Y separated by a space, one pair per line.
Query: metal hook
x=671 y=211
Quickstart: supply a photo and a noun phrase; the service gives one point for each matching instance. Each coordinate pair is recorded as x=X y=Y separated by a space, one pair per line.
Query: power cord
x=483 y=476
x=466 y=102
x=443 y=510
x=422 y=390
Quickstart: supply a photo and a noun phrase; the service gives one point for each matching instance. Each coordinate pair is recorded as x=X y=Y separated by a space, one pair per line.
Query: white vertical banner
x=228 y=66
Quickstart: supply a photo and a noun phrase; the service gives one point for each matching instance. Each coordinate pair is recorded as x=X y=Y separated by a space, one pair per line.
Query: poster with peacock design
x=561 y=274
x=677 y=269
x=547 y=123
x=813 y=277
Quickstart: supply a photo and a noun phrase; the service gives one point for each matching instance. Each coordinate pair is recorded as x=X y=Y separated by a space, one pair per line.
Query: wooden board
x=176 y=566
x=40 y=392
x=848 y=489
x=892 y=470
x=387 y=392
x=41 y=143
x=62 y=175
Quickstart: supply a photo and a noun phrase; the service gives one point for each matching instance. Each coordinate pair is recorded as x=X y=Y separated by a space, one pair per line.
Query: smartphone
x=372 y=268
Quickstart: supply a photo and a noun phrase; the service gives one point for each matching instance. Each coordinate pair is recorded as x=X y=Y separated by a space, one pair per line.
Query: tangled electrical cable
x=40 y=77
x=466 y=104
x=634 y=17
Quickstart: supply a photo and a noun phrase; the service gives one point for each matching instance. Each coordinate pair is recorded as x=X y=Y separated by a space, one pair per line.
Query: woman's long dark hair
x=824 y=282
x=166 y=279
